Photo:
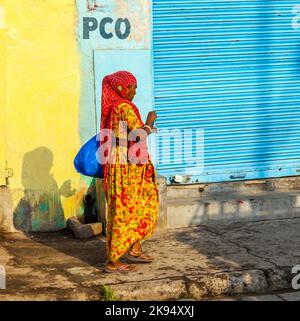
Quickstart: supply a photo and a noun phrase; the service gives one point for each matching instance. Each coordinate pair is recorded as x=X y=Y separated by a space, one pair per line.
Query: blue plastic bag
x=86 y=162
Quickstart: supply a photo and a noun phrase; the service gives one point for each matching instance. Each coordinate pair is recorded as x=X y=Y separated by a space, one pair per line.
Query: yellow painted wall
x=2 y=94
x=42 y=109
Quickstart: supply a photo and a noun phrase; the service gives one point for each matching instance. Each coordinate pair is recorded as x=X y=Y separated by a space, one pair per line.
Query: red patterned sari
x=130 y=187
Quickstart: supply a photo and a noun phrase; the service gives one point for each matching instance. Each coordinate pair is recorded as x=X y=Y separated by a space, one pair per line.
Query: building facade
x=222 y=76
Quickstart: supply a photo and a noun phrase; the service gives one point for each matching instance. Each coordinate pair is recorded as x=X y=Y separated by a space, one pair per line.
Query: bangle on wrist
x=150 y=129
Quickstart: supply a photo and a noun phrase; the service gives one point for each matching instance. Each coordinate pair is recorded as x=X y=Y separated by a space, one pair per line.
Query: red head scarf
x=113 y=94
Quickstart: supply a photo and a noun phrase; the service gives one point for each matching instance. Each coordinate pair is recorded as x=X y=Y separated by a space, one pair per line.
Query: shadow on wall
x=41 y=209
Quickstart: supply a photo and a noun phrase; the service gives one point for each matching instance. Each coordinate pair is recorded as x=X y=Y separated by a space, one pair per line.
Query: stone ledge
x=230 y=283
x=166 y=289
x=201 y=286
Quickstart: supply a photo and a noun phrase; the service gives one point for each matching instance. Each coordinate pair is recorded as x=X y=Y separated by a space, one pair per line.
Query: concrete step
x=253 y=187
x=230 y=207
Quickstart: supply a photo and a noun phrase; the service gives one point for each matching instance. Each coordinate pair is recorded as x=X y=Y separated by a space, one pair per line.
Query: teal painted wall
x=101 y=56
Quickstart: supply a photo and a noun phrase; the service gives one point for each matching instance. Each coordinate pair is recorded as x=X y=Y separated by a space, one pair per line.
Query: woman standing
x=129 y=175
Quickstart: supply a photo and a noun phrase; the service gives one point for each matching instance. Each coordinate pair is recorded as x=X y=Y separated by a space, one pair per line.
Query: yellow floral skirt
x=132 y=199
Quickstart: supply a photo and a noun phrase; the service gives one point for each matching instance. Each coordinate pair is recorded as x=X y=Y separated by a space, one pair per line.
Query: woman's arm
x=134 y=124
x=152 y=116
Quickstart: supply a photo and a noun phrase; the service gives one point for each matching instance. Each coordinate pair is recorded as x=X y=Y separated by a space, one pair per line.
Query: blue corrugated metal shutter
x=232 y=68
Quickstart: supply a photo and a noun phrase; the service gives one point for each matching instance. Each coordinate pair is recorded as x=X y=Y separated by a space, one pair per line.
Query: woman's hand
x=152 y=116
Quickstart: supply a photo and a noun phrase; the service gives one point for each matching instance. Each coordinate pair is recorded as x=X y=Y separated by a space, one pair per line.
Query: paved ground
x=230 y=262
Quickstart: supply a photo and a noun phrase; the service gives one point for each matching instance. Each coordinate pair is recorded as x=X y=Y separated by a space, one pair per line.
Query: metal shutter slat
x=231 y=68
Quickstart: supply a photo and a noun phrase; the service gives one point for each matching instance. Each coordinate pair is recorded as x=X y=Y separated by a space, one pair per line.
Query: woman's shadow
x=40 y=209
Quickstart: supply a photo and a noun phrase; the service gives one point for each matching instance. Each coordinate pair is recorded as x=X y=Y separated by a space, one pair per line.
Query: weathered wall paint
x=138 y=13
x=50 y=98
x=42 y=112
x=2 y=95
